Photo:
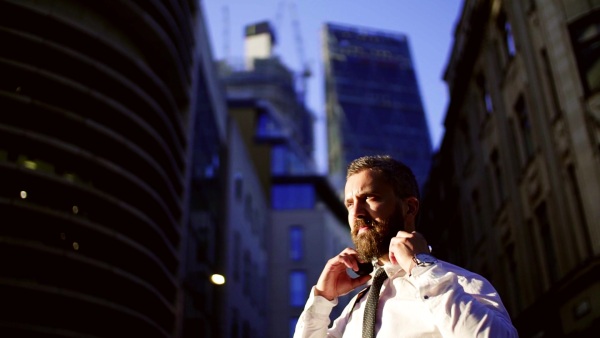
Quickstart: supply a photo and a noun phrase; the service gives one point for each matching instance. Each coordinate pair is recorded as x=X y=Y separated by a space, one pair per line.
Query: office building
x=515 y=186
x=373 y=103
x=98 y=104
x=271 y=165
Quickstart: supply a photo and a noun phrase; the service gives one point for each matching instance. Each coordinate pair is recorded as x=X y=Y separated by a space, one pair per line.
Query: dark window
x=498 y=179
x=525 y=127
x=238 y=187
x=296 y=242
x=543 y=222
x=236 y=256
x=248 y=277
x=267 y=127
x=585 y=37
x=477 y=216
x=298 y=291
x=486 y=97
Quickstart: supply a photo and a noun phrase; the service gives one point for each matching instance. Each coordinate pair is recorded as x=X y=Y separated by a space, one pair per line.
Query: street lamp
x=217 y=279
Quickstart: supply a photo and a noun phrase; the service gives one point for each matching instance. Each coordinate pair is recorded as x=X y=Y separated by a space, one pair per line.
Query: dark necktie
x=371 y=307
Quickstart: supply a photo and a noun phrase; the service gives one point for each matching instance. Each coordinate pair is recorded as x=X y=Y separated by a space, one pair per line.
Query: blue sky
x=429 y=25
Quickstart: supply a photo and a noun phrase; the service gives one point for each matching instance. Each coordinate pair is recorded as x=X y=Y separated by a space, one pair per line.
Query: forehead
x=366 y=181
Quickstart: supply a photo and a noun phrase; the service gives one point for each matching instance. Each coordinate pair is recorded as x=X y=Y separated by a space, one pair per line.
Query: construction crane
x=225 y=10
x=305 y=72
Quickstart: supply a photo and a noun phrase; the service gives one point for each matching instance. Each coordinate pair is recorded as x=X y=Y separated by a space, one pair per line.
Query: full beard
x=375 y=241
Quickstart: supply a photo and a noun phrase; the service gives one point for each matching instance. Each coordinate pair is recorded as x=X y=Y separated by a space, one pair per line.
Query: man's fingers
x=358 y=281
x=393 y=259
x=404 y=234
x=349 y=258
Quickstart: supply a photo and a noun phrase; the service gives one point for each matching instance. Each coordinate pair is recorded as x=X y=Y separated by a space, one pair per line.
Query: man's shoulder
x=464 y=275
x=459 y=270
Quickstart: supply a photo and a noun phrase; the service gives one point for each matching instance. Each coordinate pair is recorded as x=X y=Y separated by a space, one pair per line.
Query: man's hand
x=404 y=247
x=335 y=280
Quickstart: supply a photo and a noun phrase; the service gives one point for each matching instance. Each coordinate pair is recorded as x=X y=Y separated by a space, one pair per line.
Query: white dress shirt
x=441 y=300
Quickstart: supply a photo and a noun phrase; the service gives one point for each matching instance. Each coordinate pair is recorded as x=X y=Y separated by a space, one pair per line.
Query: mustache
x=364 y=222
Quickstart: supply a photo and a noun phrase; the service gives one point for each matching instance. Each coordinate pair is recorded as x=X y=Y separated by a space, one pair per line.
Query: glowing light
x=30 y=165
x=217 y=279
x=75 y=246
x=75 y=209
x=23 y=194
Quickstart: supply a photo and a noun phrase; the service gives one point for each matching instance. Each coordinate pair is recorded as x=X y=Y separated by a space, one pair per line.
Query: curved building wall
x=94 y=99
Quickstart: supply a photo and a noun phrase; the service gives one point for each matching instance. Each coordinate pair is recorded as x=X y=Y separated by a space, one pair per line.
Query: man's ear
x=411 y=207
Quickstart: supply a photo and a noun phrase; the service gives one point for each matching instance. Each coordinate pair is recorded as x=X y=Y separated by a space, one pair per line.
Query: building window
x=513 y=280
x=238 y=186
x=498 y=181
x=477 y=217
x=236 y=256
x=585 y=37
x=267 y=127
x=298 y=291
x=292 y=196
x=486 y=97
x=296 y=243
x=507 y=35
x=509 y=40
x=514 y=147
x=248 y=208
x=543 y=222
x=580 y=212
x=293 y=323
x=248 y=276
x=525 y=127
x=235 y=324
x=535 y=259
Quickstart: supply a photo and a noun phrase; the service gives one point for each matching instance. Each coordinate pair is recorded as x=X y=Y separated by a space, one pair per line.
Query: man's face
x=374 y=213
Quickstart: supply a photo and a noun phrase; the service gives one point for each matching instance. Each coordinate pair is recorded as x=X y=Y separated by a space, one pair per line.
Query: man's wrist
x=329 y=297
x=424 y=259
x=421 y=262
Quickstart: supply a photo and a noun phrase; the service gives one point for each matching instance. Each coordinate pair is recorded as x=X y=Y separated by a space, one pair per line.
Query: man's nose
x=359 y=210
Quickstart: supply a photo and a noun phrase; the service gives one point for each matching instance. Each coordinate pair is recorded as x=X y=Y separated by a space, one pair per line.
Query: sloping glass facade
x=373 y=100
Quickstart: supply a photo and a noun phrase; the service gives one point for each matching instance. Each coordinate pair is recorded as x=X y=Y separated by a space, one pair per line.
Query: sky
x=428 y=24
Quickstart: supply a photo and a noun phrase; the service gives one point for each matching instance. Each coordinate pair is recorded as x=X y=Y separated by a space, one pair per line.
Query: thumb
x=358 y=281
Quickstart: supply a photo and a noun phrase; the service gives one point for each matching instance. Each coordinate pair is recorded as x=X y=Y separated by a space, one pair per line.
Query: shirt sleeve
x=314 y=320
x=463 y=303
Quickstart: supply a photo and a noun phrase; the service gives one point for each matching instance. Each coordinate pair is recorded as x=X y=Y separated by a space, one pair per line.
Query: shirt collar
x=391 y=270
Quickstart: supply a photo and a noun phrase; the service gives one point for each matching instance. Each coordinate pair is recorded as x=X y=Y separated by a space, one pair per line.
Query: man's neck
x=383 y=259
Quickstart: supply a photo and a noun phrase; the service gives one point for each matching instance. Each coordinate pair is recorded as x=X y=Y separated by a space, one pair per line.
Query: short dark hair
x=398 y=174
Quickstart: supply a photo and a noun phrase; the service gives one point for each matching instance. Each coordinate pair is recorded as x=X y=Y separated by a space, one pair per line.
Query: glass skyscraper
x=372 y=100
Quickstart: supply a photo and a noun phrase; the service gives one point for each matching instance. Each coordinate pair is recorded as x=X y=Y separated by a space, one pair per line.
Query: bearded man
x=412 y=294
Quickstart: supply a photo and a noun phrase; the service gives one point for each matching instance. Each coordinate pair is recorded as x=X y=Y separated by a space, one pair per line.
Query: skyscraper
x=372 y=100
x=98 y=101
